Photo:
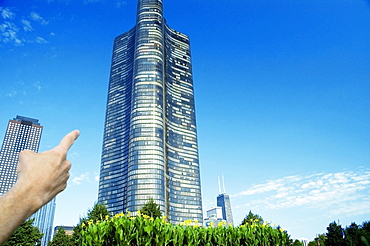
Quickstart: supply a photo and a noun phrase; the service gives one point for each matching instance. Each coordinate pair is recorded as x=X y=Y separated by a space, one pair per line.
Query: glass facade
x=24 y=133
x=150 y=142
x=44 y=219
x=223 y=201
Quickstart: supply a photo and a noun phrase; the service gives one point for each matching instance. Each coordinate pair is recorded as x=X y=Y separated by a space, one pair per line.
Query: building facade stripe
x=150 y=145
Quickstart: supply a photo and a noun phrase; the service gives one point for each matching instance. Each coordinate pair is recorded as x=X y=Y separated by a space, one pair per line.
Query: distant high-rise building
x=24 y=133
x=68 y=230
x=214 y=217
x=150 y=140
x=44 y=219
x=215 y=212
x=223 y=201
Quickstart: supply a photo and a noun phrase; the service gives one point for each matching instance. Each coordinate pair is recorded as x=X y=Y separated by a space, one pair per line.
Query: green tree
x=252 y=218
x=353 y=235
x=312 y=243
x=365 y=233
x=61 y=239
x=151 y=209
x=297 y=243
x=319 y=240
x=25 y=235
x=366 y=226
x=335 y=235
x=98 y=212
x=357 y=234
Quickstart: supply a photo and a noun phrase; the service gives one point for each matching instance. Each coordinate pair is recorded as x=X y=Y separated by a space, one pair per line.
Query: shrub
x=126 y=230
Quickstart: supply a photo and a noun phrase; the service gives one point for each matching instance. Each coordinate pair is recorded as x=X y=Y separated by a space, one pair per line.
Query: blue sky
x=282 y=98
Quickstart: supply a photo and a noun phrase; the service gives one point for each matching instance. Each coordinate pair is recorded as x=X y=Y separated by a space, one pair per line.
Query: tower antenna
x=219 y=185
x=223 y=183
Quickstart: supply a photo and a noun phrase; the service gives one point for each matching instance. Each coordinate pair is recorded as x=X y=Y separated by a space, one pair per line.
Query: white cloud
x=84 y=177
x=352 y=208
x=37 y=85
x=72 y=154
x=36 y=17
x=27 y=25
x=344 y=192
x=120 y=3
x=117 y=3
x=11 y=94
x=9 y=33
x=25 y=89
x=6 y=13
x=79 y=179
x=41 y=40
x=273 y=185
x=12 y=34
x=91 y=1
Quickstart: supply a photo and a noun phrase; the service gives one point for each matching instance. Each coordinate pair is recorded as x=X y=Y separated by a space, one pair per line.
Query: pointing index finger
x=68 y=140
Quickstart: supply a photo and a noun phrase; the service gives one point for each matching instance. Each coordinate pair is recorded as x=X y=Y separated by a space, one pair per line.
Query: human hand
x=43 y=175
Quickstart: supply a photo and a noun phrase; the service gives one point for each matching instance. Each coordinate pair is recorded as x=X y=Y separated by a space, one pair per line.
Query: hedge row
x=126 y=230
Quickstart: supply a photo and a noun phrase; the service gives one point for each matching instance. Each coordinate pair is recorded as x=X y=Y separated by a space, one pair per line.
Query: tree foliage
x=252 y=218
x=25 y=235
x=352 y=235
x=335 y=235
x=97 y=213
x=61 y=239
x=319 y=240
x=357 y=234
x=297 y=243
x=141 y=229
x=151 y=209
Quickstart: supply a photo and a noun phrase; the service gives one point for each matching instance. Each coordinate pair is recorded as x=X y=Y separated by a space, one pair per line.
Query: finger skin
x=68 y=140
x=41 y=176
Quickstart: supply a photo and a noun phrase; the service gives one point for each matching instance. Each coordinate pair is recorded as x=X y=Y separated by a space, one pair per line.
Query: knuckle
x=67 y=165
x=63 y=187
x=59 y=153
x=25 y=152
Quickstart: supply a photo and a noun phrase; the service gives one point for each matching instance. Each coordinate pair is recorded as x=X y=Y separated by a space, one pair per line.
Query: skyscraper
x=24 y=133
x=44 y=219
x=223 y=201
x=150 y=140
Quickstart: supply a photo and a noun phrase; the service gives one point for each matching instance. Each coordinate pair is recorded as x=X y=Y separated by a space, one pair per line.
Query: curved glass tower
x=150 y=141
